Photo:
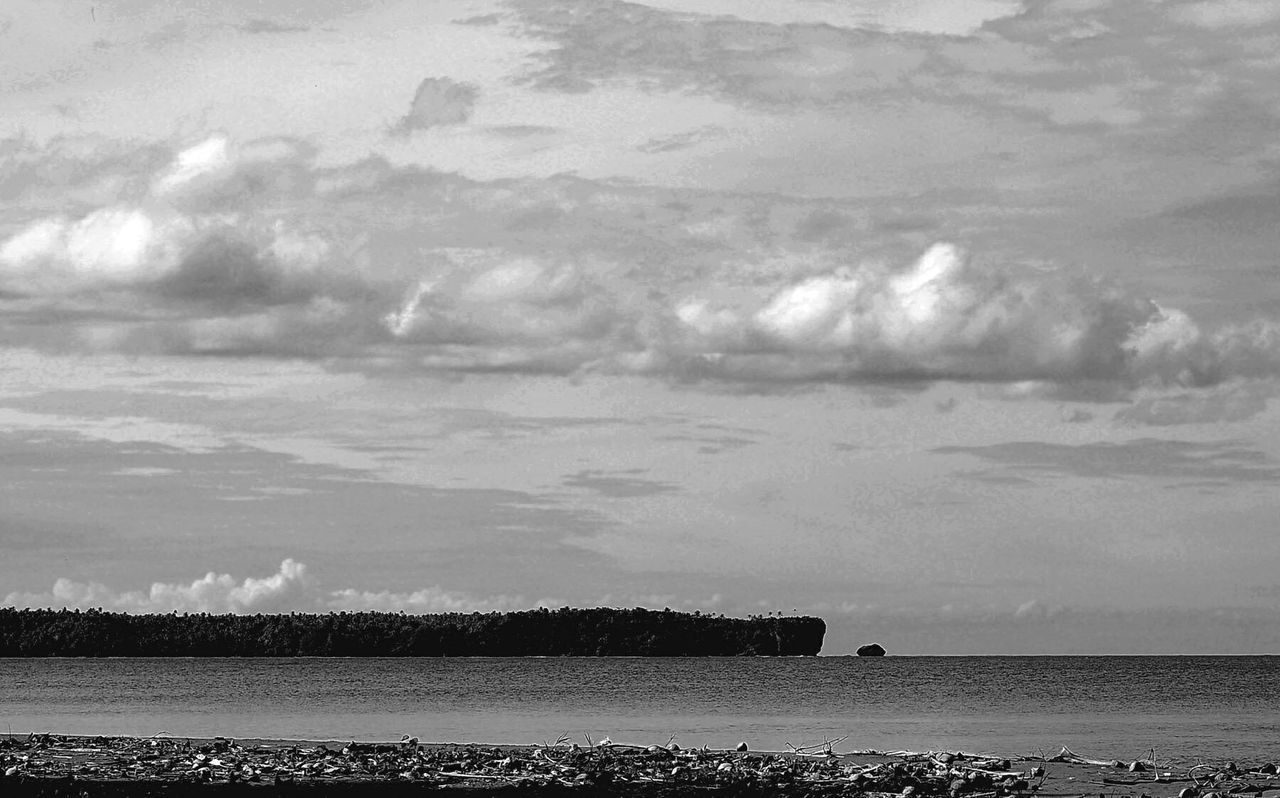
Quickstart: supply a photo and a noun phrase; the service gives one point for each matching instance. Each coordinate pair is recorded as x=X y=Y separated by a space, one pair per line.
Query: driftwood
x=603 y=768
x=806 y=769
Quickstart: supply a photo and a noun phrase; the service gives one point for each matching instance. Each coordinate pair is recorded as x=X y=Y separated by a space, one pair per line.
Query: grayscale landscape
x=953 y=324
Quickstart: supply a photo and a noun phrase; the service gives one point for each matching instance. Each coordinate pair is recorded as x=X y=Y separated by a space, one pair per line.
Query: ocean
x=1185 y=708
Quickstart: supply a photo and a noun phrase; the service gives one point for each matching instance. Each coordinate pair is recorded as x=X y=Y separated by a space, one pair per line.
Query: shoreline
x=58 y=765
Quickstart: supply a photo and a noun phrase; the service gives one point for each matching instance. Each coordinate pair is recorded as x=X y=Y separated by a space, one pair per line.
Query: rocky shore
x=57 y=765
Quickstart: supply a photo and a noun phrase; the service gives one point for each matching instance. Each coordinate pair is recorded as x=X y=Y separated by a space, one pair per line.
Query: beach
x=66 y=765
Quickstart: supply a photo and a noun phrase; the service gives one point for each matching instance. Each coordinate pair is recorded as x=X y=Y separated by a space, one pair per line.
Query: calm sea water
x=1184 y=707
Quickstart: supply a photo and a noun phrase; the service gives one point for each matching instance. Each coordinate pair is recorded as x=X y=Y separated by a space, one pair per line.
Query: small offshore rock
x=1268 y=769
x=1137 y=767
x=742 y=746
x=871 y=650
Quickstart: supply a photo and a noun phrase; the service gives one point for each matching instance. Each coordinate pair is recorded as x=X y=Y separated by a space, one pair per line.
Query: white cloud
x=291 y=588
x=206 y=159
x=109 y=246
x=218 y=593
x=253 y=250
x=944 y=318
x=816 y=312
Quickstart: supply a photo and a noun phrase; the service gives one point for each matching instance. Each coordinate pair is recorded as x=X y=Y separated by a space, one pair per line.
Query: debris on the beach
x=806 y=769
x=815 y=770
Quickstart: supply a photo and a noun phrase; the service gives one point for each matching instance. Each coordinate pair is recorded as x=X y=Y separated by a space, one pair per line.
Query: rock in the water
x=872 y=650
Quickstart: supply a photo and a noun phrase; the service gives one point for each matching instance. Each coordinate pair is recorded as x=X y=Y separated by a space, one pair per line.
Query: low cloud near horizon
x=976 y=629
x=290 y=589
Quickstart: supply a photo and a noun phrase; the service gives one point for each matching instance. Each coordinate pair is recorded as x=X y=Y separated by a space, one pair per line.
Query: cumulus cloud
x=209 y=157
x=438 y=101
x=288 y=587
x=251 y=249
x=941 y=318
x=291 y=588
x=114 y=245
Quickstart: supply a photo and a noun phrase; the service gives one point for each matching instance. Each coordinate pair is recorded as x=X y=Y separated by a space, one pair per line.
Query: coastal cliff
x=543 y=632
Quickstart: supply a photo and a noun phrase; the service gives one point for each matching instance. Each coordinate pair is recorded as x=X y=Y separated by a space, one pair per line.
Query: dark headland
x=562 y=632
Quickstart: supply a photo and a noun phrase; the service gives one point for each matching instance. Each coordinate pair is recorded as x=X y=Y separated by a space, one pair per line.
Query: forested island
x=563 y=632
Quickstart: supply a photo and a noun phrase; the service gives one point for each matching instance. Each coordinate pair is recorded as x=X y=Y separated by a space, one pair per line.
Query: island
x=598 y=632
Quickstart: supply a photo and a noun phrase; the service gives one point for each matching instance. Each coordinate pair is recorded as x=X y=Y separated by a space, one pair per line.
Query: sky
x=955 y=324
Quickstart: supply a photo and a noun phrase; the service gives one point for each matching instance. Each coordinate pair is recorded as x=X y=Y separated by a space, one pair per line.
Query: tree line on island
x=541 y=632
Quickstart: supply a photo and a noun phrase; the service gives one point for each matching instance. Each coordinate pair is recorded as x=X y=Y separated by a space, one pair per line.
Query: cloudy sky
x=957 y=324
